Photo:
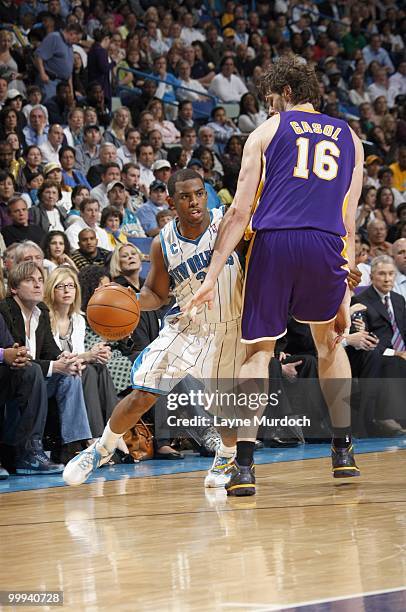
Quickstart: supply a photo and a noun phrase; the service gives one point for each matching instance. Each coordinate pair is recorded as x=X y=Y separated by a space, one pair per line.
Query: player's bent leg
x=219 y=473
x=125 y=415
x=335 y=383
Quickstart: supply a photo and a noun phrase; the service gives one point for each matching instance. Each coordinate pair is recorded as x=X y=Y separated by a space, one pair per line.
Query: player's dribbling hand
x=205 y=295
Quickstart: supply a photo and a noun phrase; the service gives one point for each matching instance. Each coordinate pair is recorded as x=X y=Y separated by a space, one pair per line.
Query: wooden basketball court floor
x=164 y=543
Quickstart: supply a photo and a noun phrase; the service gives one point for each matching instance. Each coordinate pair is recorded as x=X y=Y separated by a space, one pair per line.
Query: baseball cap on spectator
x=159 y=164
x=155 y=185
x=195 y=162
x=229 y=33
x=329 y=59
x=51 y=166
x=113 y=184
x=12 y=94
x=372 y=159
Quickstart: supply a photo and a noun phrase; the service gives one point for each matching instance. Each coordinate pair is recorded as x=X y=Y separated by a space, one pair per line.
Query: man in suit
x=386 y=318
x=22 y=387
x=27 y=320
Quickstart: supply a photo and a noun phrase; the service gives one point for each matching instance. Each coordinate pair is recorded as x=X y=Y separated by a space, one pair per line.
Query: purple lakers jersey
x=307 y=174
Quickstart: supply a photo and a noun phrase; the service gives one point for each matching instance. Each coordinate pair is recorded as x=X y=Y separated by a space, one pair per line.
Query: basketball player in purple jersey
x=298 y=189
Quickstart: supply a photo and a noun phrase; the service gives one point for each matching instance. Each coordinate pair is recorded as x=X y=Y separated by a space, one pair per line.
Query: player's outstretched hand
x=205 y=295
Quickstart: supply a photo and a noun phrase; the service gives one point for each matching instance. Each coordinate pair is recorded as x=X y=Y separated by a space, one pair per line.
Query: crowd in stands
x=100 y=102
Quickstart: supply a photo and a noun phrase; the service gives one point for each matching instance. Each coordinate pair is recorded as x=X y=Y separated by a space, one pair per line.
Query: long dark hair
x=47 y=241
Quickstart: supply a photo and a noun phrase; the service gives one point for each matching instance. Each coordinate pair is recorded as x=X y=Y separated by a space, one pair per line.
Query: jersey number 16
x=324 y=164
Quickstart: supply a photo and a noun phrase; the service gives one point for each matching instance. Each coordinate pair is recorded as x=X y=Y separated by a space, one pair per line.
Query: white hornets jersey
x=187 y=262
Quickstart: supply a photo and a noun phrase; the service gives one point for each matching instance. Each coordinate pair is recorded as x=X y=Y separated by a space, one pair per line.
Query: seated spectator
x=170 y=134
x=165 y=90
x=7 y=189
x=164 y=217
x=385 y=207
x=201 y=70
x=36 y=130
x=199 y=92
x=61 y=104
x=111 y=221
x=33 y=185
x=88 y=253
x=399 y=256
x=156 y=141
x=185 y=116
x=20 y=228
x=22 y=381
x=87 y=153
x=226 y=195
x=397 y=84
x=116 y=132
x=33 y=165
x=375 y=52
x=71 y=177
x=79 y=76
x=145 y=156
x=399 y=170
x=231 y=159
x=96 y=100
x=147 y=212
x=74 y=131
x=56 y=249
x=127 y=153
x=53 y=172
x=79 y=193
x=28 y=322
x=34 y=98
x=119 y=366
x=377 y=233
x=146 y=123
x=386 y=318
x=251 y=116
x=226 y=85
x=366 y=209
x=89 y=217
x=139 y=103
x=358 y=94
x=211 y=175
x=126 y=266
x=110 y=173
x=119 y=198
x=162 y=170
x=213 y=200
x=380 y=85
x=51 y=147
x=373 y=163
x=63 y=297
x=47 y=215
x=361 y=259
x=380 y=147
x=9 y=124
x=107 y=155
x=395 y=231
x=380 y=110
x=130 y=175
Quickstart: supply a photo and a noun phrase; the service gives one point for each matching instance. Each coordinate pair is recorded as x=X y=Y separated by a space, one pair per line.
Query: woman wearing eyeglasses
x=63 y=297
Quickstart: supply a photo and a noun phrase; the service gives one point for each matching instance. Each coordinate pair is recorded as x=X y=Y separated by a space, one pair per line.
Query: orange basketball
x=113 y=312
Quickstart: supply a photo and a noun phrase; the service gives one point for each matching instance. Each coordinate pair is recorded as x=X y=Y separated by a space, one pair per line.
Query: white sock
x=110 y=439
x=226 y=451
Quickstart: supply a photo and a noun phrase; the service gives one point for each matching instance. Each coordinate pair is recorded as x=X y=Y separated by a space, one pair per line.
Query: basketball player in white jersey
x=208 y=347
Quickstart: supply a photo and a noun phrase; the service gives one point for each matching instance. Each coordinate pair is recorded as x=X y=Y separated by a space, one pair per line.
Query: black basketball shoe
x=343 y=462
x=242 y=481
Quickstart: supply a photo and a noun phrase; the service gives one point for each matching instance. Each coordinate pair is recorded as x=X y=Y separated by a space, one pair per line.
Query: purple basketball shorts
x=295 y=272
